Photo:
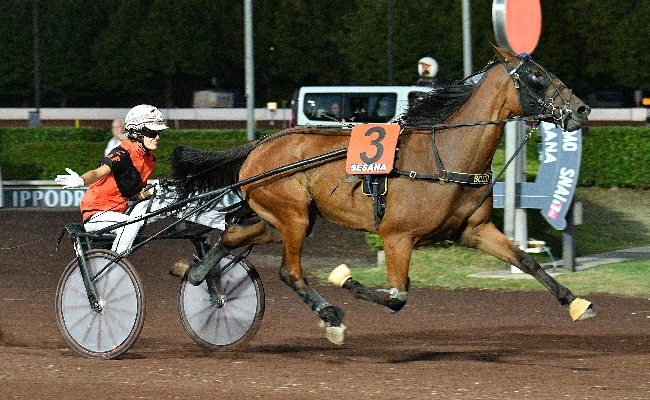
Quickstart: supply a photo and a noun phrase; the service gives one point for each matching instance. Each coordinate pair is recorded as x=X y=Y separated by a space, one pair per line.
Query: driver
x=122 y=175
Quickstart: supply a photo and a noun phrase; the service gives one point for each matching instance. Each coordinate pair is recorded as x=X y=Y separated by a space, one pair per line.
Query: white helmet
x=427 y=67
x=144 y=116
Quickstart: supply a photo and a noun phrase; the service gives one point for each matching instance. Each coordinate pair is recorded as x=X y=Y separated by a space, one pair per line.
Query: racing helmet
x=427 y=67
x=143 y=118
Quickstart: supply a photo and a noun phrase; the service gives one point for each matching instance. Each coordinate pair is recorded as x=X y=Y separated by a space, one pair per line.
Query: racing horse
x=447 y=140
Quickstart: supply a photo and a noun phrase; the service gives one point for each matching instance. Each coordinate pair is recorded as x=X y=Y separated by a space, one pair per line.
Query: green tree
x=420 y=28
x=590 y=44
x=67 y=29
x=173 y=50
x=630 y=50
x=119 y=52
x=160 y=51
x=297 y=44
x=16 y=47
x=118 y=81
x=225 y=26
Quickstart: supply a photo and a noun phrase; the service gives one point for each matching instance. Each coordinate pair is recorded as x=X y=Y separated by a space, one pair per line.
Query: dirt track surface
x=468 y=344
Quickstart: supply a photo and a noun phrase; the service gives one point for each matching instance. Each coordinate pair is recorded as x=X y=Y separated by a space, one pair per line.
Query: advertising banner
x=41 y=197
x=557 y=178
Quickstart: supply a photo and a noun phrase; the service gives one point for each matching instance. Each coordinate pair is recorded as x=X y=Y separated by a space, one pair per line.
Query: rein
x=461 y=177
x=494 y=182
x=467 y=124
x=533 y=107
x=444 y=175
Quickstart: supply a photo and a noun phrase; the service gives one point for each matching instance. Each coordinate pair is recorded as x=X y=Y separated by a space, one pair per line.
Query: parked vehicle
x=332 y=105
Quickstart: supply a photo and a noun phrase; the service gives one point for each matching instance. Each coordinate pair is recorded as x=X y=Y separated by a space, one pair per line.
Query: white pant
x=126 y=234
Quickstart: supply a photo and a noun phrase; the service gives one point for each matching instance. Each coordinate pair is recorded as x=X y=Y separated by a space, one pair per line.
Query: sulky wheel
x=226 y=309
x=111 y=330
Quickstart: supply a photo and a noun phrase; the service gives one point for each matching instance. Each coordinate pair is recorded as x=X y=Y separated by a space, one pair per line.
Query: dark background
x=116 y=53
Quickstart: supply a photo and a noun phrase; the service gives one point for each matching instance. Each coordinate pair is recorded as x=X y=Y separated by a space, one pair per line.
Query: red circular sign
x=517 y=24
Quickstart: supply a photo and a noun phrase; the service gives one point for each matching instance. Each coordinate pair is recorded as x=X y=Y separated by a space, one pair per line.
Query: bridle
x=532 y=82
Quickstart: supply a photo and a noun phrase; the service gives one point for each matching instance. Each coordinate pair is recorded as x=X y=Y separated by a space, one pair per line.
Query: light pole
x=34 y=117
x=250 y=76
x=467 y=38
x=390 y=42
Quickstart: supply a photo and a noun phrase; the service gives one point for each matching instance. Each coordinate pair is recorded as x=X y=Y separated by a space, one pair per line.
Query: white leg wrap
x=578 y=307
x=395 y=293
x=334 y=334
x=339 y=275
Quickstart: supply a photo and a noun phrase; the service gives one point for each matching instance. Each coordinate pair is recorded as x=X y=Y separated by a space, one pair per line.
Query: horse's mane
x=439 y=105
x=197 y=171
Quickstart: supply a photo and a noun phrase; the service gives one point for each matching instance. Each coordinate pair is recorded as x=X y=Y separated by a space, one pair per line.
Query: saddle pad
x=372 y=149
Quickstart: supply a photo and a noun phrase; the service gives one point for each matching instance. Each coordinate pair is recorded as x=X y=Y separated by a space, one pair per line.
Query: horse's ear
x=504 y=55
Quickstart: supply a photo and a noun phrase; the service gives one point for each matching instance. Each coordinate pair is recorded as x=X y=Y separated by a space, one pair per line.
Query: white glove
x=154 y=188
x=70 y=181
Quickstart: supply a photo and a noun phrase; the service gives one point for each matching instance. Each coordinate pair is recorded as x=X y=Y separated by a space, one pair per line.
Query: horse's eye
x=536 y=80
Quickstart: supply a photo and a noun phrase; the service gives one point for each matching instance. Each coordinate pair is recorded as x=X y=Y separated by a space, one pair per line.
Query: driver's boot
x=197 y=272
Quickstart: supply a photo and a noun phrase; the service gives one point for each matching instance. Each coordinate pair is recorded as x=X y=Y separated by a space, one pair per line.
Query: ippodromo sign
x=34 y=194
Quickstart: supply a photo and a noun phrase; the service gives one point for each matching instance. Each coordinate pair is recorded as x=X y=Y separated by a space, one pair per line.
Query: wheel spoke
x=237 y=320
x=111 y=332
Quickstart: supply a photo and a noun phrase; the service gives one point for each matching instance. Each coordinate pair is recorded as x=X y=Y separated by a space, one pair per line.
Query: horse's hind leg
x=398 y=255
x=234 y=236
x=258 y=233
x=291 y=273
x=488 y=238
x=293 y=223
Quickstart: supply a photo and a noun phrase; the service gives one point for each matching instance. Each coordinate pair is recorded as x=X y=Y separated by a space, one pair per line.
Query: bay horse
x=446 y=139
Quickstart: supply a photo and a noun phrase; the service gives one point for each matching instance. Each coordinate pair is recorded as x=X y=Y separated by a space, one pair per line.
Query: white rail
x=239 y=114
x=181 y=114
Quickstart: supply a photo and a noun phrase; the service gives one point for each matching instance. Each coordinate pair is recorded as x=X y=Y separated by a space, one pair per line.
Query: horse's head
x=541 y=95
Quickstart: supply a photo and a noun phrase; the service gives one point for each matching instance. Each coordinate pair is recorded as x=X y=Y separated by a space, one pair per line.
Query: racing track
x=465 y=344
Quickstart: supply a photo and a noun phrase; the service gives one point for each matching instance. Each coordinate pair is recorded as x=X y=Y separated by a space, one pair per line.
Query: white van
x=331 y=105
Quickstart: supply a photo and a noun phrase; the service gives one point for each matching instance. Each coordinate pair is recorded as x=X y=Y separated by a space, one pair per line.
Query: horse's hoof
x=589 y=313
x=339 y=275
x=334 y=334
x=179 y=268
x=580 y=309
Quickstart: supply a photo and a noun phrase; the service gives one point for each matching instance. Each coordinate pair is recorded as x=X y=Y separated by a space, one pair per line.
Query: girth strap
x=449 y=176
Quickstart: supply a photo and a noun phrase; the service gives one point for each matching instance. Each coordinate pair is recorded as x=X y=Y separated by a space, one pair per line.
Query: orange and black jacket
x=130 y=167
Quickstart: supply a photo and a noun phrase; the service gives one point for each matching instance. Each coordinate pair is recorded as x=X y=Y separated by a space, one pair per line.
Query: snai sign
x=557 y=177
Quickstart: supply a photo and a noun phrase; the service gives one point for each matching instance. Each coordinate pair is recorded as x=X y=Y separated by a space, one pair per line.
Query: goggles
x=150 y=133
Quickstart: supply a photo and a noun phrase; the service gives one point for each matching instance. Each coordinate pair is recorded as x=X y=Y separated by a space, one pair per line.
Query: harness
x=444 y=175
x=531 y=88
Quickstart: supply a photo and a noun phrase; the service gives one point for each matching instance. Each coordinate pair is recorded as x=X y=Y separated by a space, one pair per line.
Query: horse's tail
x=196 y=171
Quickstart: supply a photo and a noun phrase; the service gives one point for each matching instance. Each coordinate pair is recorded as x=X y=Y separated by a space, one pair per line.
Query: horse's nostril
x=584 y=110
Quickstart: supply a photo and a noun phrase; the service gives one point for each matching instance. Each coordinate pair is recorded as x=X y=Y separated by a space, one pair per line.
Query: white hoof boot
x=335 y=334
x=339 y=275
x=580 y=309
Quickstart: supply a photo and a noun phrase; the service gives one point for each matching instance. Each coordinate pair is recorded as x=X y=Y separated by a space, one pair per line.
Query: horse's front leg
x=489 y=239
x=398 y=256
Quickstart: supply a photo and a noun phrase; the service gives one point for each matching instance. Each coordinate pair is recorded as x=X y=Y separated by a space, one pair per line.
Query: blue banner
x=557 y=178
